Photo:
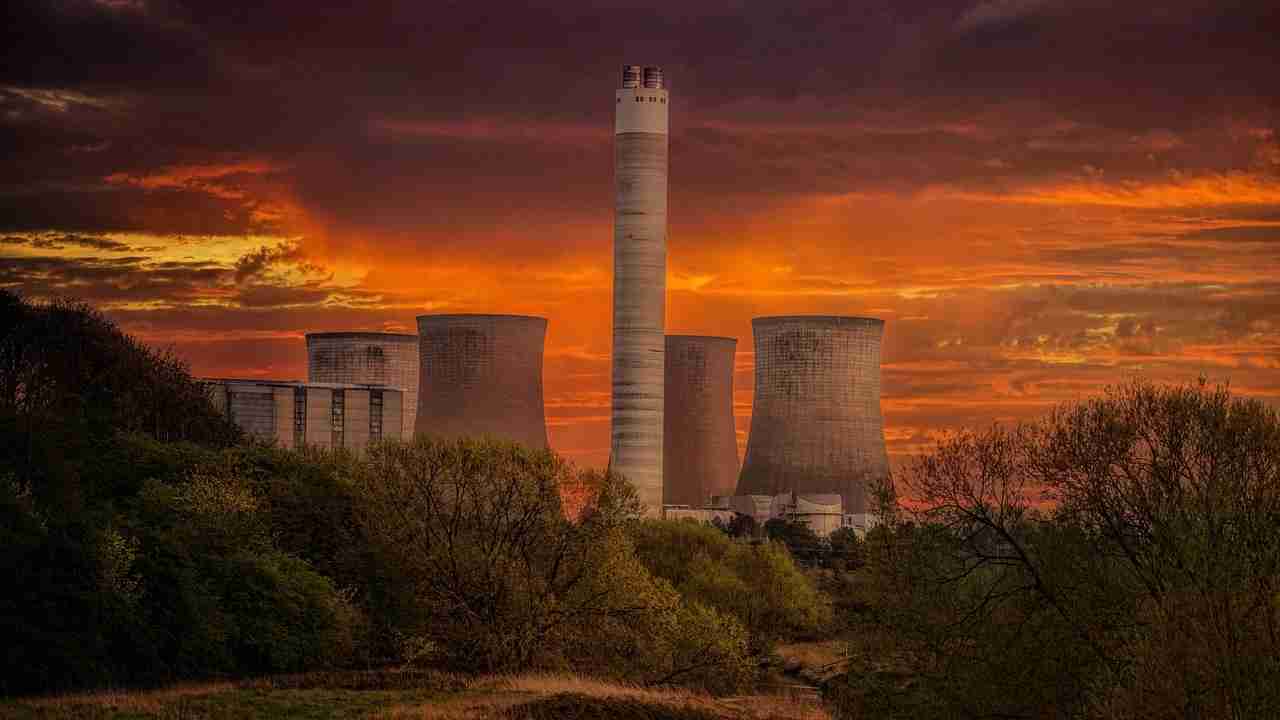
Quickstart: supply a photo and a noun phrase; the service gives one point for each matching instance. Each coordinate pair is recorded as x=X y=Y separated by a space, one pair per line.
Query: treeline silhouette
x=1119 y=558
x=148 y=541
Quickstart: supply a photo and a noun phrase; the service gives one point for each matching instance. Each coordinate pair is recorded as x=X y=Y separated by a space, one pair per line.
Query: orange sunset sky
x=1039 y=197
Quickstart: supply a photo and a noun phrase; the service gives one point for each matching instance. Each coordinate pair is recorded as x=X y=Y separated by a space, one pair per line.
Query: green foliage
x=70 y=381
x=758 y=584
x=1118 y=559
x=223 y=596
x=182 y=573
x=801 y=541
x=480 y=566
x=150 y=542
x=845 y=550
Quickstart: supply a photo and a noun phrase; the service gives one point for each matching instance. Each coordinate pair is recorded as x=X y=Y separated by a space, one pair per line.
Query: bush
x=220 y=596
x=758 y=584
x=479 y=565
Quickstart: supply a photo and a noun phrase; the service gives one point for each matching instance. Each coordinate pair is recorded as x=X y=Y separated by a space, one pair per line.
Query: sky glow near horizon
x=1039 y=197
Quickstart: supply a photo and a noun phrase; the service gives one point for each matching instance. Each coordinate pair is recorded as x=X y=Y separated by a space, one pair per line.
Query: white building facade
x=296 y=414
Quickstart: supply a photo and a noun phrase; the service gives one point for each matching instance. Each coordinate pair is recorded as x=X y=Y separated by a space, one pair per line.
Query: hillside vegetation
x=1118 y=559
x=162 y=546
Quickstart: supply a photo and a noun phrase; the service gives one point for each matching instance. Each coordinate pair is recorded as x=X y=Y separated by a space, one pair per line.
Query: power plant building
x=372 y=358
x=823 y=513
x=296 y=414
x=816 y=426
x=481 y=375
x=639 y=281
x=700 y=445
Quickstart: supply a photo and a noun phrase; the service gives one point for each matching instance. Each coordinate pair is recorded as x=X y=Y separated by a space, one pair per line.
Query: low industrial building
x=367 y=358
x=294 y=414
x=823 y=513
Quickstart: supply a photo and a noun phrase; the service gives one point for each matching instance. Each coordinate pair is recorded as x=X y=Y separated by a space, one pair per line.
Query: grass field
x=413 y=695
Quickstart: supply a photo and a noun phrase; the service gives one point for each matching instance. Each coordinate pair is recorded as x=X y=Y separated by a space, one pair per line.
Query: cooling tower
x=639 y=281
x=815 y=421
x=372 y=358
x=700 y=445
x=482 y=375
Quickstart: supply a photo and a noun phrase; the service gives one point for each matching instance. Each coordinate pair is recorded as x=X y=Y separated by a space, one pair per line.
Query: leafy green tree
x=221 y=596
x=70 y=381
x=72 y=385
x=482 y=572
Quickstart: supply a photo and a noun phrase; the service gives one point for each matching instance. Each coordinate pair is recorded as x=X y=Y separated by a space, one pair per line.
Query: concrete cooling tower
x=815 y=421
x=482 y=375
x=700 y=445
x=367 y=358
x=639 y=281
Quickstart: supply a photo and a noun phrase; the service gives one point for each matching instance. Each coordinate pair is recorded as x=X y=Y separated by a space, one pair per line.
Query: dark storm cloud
x=105 y=281
x=1038 y=195
x=300 y=82
x=253 y=282
x=255 y=263
x=54 y=241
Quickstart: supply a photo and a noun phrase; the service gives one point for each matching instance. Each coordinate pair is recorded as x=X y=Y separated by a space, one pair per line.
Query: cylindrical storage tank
x=372 y=358
x=700 y=445
x=815 y=420
x=639 y=289
x=482 y=375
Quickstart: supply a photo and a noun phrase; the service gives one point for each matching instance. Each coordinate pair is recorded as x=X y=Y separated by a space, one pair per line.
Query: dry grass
x=402 y=695
x=135 y=701
x=386 y=679
x=815 y=655
x=548 y=695
x=554 y=684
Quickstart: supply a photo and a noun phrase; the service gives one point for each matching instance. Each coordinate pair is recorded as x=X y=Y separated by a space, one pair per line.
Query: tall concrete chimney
x=639 y=281
x=815 y=421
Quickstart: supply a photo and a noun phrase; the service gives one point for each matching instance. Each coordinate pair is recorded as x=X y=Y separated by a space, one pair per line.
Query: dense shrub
x=758 y=584
x=485 y=573
x=224 y=597
x=70 y=381
x=70 y=385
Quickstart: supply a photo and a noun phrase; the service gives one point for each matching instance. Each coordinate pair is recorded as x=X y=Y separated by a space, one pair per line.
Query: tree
x=70 y=381
x=1119 y=558
x=803 y=543
x=74 y=390
x=845 y=550
x=481 y=566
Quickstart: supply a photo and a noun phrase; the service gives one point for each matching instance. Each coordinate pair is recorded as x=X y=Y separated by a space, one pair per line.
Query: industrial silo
x=367 y=358
x=815 y=420
x=482 y=375
x=700 y=446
